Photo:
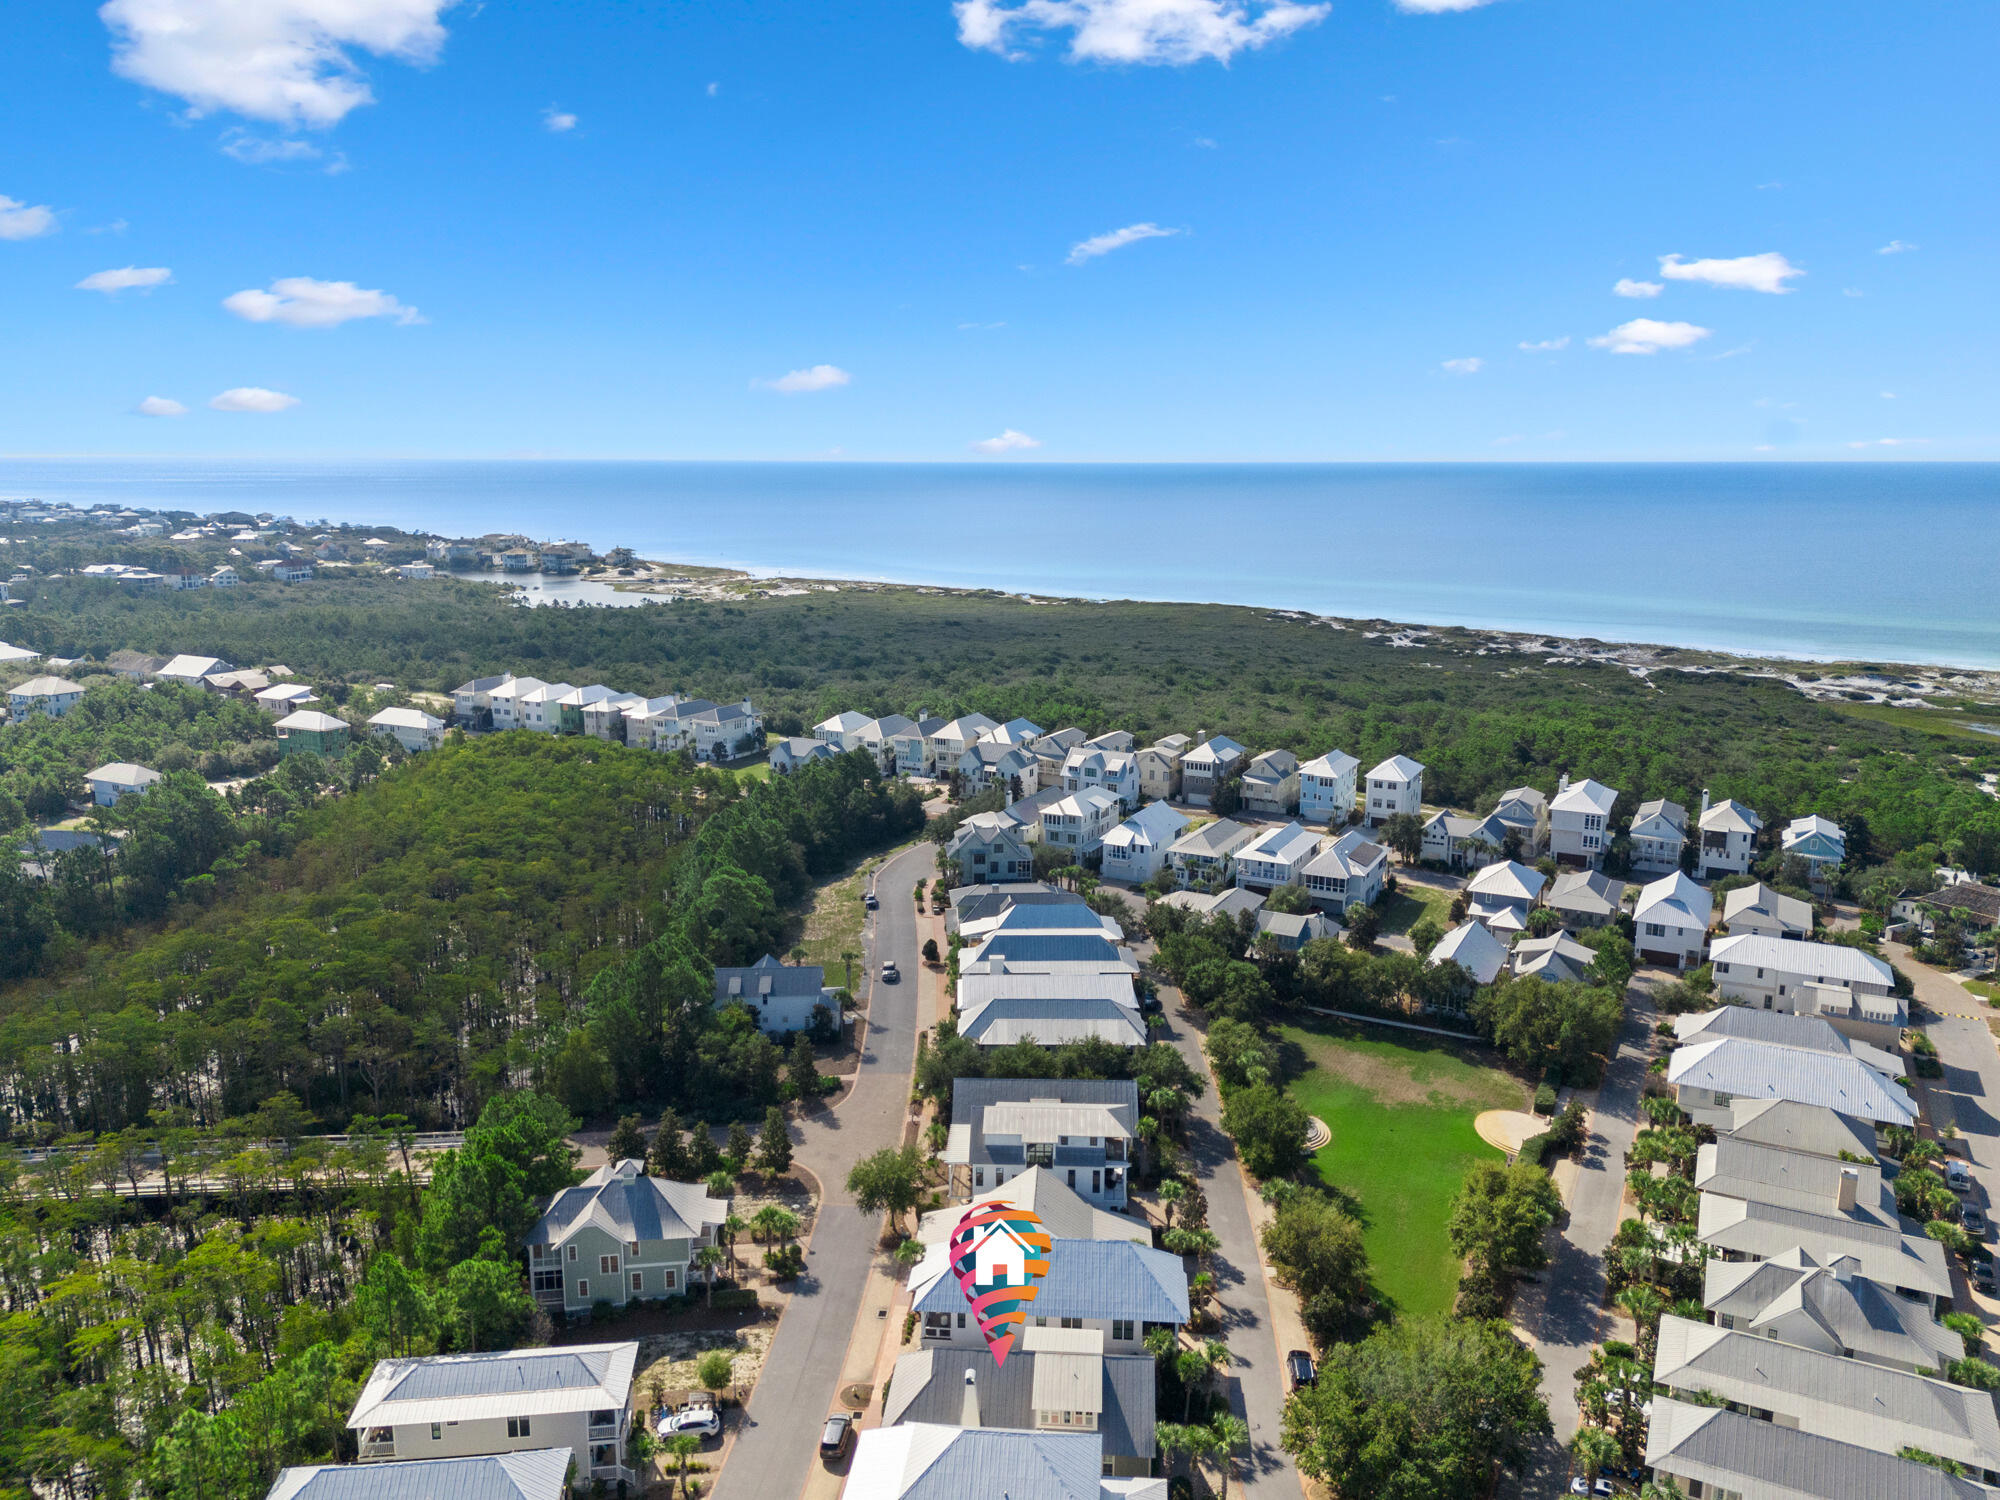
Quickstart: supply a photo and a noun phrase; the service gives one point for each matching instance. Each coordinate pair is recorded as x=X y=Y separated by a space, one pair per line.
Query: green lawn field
x=1401 y=1107
x=1403 y=910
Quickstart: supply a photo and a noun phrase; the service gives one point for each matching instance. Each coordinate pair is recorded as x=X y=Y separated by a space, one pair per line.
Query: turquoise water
x=1882 y=562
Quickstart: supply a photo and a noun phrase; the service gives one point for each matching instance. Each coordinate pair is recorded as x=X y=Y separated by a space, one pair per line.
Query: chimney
x=1704 y=802
x=1843 y=1268
x=968 y=1414
x=1563 y=784
x=1850 y=1180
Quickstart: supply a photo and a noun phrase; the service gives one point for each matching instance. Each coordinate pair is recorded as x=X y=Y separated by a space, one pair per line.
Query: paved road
x=1562 y=1314
x=1258 y=1396
x=780 y=1438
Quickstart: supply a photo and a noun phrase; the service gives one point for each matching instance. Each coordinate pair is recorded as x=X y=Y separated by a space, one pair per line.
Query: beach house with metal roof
x=1580 y=822
x=1160 y=766
x=1001 y=1002
x=1770 y=913
x=620 y=1236
x=309 y=730
x=1326 y=789
x=1277 y=856
x=1834 y=1309
x=1083 y=1130
x=927 y=1461
x=535 y=1474
x=989 y=847
x=1473 y=949
x=1585 y=898
x=1710 y=1074
x=1271 y=784
x=1136 y=850
x=1394 y=786
x=577 y=1399
x=1500 y=896
x=1670 y=921
x=1347 y=872
x=54 y=696
x=1818 y=842
x=118 y=779
x=781 y=996
x=1207 y=766
x=1206 y=856
x=411 y=728
x=1848 y=987
x=1064 y=1212
x=1728 y=831
x=1658 y=833
x=1117 y=1288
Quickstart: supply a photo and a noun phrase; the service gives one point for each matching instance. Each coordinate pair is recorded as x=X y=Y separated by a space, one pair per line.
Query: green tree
x=627 y=1142
x=1425 y=934
x=669 y=1157
x=1500 y=1215
x=485 y=1304
x=1269 y=1127
x=1315 y=1248
x=891 y=1181
x=1403 y=832
x=514 y=1158
x=737 y=1149
x=774 y=1146
x=392 y=1305
x=1595 y=1450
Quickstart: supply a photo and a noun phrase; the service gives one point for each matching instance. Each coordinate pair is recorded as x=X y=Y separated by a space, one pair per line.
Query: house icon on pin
x=999 y=1256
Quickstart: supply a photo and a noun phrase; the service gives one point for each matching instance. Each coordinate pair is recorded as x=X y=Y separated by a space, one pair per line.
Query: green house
x=308 y=729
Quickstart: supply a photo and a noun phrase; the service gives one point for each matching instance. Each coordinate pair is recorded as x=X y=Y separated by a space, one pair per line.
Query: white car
x=699 y=1418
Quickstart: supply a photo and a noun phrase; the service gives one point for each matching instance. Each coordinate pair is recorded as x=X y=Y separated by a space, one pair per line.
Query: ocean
x=1863 y=562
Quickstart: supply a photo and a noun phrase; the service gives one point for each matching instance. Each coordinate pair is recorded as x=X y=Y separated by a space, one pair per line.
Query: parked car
x=890 y=973
x=698 y=1417
x=835 y=1437
x=1299 y=1369
x=869 y=902
x=1983 y=1276
x=1958 y=1176
x=1973 y=1218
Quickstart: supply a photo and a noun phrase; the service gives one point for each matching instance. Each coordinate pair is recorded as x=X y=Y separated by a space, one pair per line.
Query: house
x=1473 y=948
x=283 y=697
x=1795 y=1179
x=1045 y=919
x=782 y=998
x=951 y=740
x=1834 y=1309
x=1055 y=1380
x=532 y=1474
x=980 y=904
x=1670 y=921
x=663 y=724
x=452 y=554
x=1206 y=856
x=1290 y=931
x=1014 y=732
x=1063 y=1211
x=1774 y=1028
x=136 y=665
x=725 y=731
x=223 y=578
x=577 y=1400
x=54 y=696
x=411 y=728
x=879 y=736
x=472 y=702
x=1713 y=1453
x=1658 y=834
x=1277 y=856
x=1964 y=901
x=1077 y=824
x=1739 y=1229
x=244 y=684
x=911 y=749
x=1557 y=959
x=1458 y=842
x=1083 y=1132
x=1708 y=1075
x=1728 y=838
x=1053 y=748
x=842 y=731
x=190 y=670
x=1115 y=1288
x=1395 y=786
x=1760 y=909
x=1849 y=988
x=1827 y=1395
x=1160 y=767
x=788 y=755
x=1206 y=767
x=1500 y=896
x=990 y=847
x=1797 y=1127
x=310 y=730
x=1089 y=767
x=992 y=763
x=1524 y=812
x=1580 y=822
x=1136 y=850
x=289 y=570
x=924 y=1461
x=1585 y=898
x=1817 y=842
x=1347 y=872
x=620 y=1236
x=607 y=717
x=1231 y=902
x=1271 y=784
x=540 y=708
x=415 y=570
x=1326 y=789
x=1001 y=1002
x=118 y=779
x=504 y=700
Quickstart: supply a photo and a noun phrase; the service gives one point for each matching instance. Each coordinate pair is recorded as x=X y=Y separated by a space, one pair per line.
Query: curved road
x=779 y=1441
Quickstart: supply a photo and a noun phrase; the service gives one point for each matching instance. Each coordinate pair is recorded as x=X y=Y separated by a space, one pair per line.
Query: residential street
x=778 y=1444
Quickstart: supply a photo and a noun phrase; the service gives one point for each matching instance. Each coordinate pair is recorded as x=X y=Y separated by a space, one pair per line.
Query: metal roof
x=929 y=1386
x=1585 y=796
x=1086 y=1279
x=1587 y=891
x=512 y=1383
x=1792 y=1179
x=1843 y=1308
x=1217 y=838
x=1825 y=963
x=1287 y=844
x=1066 y=1215
x=627 y=1205
x=123 y=773
x=1506 y=880
x=536 y=1474
x=1766 y=1230
x=1000 y=1023
x=1763 y=1461
x=925 y=1461
x=1730 y=816
x=1787 y=911
x=313 y=721
x=1674 y=900
x=768 y=977
x=1800 y=1127
x=1473 y=949
x=1761 y=1070
x=1397 y=768
x=1333 y=765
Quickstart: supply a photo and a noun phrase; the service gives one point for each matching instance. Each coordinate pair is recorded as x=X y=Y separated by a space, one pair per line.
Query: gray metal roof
x=1761 y=1070
x=1792 y=1179
x=929 y=1386
x=783 y=979
x=1763 y=1461
x=627 y=1205
x=536 y=1474
x=1763 y=1231
x=1086 y=1279
x=972 y=1097
x=924 y=1461
x=513 y=1382
x=1046 y=947
x=1587 y=891
x=1807 y=1033
x=1800 y=1127
x=1219 y=837
x=1038 y=1189
x=1848 y=1311
x=1834 y=963
x=1000 y=1023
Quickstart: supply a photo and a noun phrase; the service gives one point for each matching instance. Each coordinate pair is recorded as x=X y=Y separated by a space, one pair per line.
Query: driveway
x=1561 y=1314
x=779 y=1440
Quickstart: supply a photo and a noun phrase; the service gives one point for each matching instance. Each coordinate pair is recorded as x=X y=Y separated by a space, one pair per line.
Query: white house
x=1658 y=834
x=1115 y=1287
x=54 y=696
x=540 y=708
x=473 y=701
x=1206 y=767
x=990 y=763
x=1022 y=732
x=1078 y=822
x=788 y=755
x=1082 y=1132
x=1850 y=989
x=1759 y=908
x=503 y=700
x=723 y=731
x=1473 y=949
x=118 y=779
x=1207 y=855
x=1395 y=786
x=1326 y=789
x=1580 y=822
x=879 y=736
x=1277 y=856
x=223 y=578
x=283 y=697
x=1671 y=921
x=782 y=997
x=1114 y=771
x=190 y=670
x=1728 y=838
x=1347 y=872
x=950 y=740
x=990 y=847
x=577 y=1399
x=1500 y=896
x=1817 y=841
x=1136 y=850
x=843 y=730
x=533 y=1474
x=411 y=728
x=1462 y=843
x=1271 y=784
x=938 y=1461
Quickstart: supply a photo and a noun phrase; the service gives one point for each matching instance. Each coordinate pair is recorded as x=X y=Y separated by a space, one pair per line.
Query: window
x=1655 y=929
x=1072 y=1322
x=1072 y=1177
x=1097 y=1182
x=517 y=1427
x=582 y=1289
x=548 y=1281
x=668 y=1278
x=638 y=1282
x=979 y=1177
x=1121 y=1329
x=608 y=1264
x=538 y=1251
x=572 y=1252
x=937 y=1325
x=437 y=1431
x=632 y=1250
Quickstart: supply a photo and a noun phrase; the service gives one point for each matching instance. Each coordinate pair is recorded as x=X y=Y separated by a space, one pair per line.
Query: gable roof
x=1155 y=823
x=1215 y=751
x=1800 y=1127
x=1520 y=799
x=929 y=1386
x=1397 y=768
x=1272 y=765
x=1333 y=765
x=1808 y=1033
x=1473 y=949
x=925 y=1461
x=1787 y=911
x=1506 y=880
x=1750 y=1069
x=1346 y=857
x=1827 y=963
x=1585 y=796
x=510 y=1383
x=1792 y=1179
x=45 y=687
x=1587 y=892
x=972 y=1097
x=1764 y=1230
x=1852 y=1312
x=621 y=1201
x=1065 y=1214
x=1284 y=844
x=1763 y=1461
x=406 y=718
x=1671 y=814
x=1217 y=838
x=1730 y=816
x=312 y=721
x=769 y=977
x=536 y=1474
x=1042 y=1008
x=1674 y=900
x=1086 y=1279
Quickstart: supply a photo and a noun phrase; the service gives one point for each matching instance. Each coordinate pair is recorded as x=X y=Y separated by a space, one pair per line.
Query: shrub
x=1545 y=1100
x=785 y=1262
x=736 y=1299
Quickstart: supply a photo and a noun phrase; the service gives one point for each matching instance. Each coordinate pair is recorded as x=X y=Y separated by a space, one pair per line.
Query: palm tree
x=1231 y=1433
x=732 y=1226
x=1173 y=1192
x=708 y=1258
x=1595 y=1450
x=683 y=1446
x=798 y=956
x=1214 y=1361
x=1645 y=1303
x=847 y=958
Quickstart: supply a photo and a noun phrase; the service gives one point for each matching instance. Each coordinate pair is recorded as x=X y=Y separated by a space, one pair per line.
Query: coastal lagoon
x=1862 y=561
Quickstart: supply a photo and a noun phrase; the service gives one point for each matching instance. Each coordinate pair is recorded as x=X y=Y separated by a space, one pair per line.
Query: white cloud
x=1888 y=395
x=1545 y=346
x=1438 y=7
x=302 y=302
x=1890 y=443
x=141 y=278
x=813 y=378
x=981 y=327
x=1136 y=31
x=1852 y=291
x=287 y=61
x=1117 y=239
x=1746 y=273
x=1625 y=286
x=1468 y=366
x=162 y=406
x=24 y=221
x=260 y=150
x=714 y=89
x=1007 y=442
x=252 y=398
x=1896 y=247
x=557 y=122
x=1204 y=142
x=1649 y=336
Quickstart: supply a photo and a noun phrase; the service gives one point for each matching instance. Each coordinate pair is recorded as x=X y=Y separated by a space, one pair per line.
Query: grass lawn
x=1401 y=1107
x=833 y=924
x=1985 y=991
x=1406 y=908
x=1942 y=721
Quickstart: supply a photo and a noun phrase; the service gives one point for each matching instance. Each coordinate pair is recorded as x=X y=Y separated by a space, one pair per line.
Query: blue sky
x=759 y=230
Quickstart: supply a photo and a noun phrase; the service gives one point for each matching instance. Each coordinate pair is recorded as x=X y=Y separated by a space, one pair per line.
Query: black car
x=835 y=1436
x=869 y=903
x=1299 y=1371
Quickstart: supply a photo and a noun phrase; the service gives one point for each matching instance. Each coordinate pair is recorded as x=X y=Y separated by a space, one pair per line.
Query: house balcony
x=377 y=1450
